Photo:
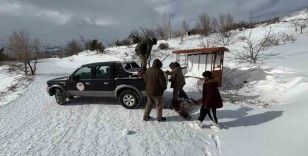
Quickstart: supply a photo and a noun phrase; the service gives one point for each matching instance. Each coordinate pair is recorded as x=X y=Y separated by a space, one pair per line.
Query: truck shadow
x=100 y=101
x=236 y=118
x=93 y=100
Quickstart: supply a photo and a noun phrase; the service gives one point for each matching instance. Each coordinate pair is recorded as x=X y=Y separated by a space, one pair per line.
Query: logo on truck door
x=80 y=86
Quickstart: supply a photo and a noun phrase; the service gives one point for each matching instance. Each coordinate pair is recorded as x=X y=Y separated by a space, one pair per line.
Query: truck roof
x=107 y=62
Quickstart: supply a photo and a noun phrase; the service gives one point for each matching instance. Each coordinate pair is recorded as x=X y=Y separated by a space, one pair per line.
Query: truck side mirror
x=70 y=77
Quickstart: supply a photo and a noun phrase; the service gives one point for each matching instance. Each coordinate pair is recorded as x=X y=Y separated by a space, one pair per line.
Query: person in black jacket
x=143 y=50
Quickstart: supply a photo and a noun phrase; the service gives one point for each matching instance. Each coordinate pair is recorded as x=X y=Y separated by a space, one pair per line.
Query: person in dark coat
x=143 y=50
x=177 y=82
x=211 y=99
x=156 y=84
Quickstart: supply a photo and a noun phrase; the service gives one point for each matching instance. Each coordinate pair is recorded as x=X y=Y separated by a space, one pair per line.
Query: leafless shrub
x=224 y=38
x=147 y=32
x=134 y=36
x=26 y=49
x=270 y=40
x=285 y=38
x=252 y=49
x=73 y=47
x=206 y=43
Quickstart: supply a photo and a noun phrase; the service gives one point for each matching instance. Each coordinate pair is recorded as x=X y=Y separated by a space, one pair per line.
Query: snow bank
x=12 y=83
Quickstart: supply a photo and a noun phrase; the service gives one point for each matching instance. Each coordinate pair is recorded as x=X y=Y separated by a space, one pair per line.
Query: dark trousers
x=179 y=93
x=206 y=111
x=143 y=62
x=182 y=94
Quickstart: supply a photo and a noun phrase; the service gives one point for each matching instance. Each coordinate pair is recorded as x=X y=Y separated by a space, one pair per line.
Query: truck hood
x=57 y=80
x=60 y=79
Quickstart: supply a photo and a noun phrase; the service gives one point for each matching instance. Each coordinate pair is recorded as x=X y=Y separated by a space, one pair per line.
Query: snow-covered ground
x=265 y=116
x=12 y=83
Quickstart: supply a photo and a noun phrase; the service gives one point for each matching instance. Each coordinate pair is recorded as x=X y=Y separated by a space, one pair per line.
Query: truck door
x=103 y=83
x=80 y=84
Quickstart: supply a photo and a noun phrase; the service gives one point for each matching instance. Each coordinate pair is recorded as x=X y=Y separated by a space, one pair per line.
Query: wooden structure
x=200 y=60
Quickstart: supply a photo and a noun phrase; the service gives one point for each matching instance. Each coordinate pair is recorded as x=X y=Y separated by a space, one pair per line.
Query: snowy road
x=34 y=124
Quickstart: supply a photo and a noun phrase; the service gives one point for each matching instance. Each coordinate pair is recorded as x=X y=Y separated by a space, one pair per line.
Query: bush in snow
x=97 y=46
x=271 y=40
x=2 y=56
x=125 y=42
x=253 y=49
x=285 y=38
x=163 y=46
x=223 y=38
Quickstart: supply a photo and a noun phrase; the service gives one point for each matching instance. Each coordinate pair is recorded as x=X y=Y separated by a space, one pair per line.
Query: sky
x=57 y=21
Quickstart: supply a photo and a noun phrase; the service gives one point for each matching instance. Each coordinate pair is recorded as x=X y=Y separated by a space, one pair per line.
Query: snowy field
x=264 y=117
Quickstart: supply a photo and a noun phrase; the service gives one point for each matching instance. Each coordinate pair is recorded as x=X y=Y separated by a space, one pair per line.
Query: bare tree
x=252 y=49
x=205 y=24
x=164 y=29
x=215 y=25
x=295 y=24
x=225 y=22
x=185 y=26
x=86 y=43
x=26 y=50
x=183 y=31
x=251 y=19
x=73 y=47
x=299 y=25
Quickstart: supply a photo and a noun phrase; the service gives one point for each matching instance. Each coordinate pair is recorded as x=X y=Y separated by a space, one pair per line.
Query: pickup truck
x=101 y=79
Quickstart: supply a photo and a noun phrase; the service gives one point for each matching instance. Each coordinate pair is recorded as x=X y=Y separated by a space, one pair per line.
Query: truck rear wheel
x=60 y=97
x=129 y=99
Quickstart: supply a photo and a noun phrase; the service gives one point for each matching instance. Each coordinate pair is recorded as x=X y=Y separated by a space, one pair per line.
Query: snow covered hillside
x=264 y=111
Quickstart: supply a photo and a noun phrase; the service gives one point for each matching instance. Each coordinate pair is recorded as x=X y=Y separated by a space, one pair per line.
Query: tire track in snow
x=217 y=143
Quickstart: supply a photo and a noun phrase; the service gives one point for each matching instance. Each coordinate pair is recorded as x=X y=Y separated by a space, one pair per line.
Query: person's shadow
x=243 y=119
x=239 y=117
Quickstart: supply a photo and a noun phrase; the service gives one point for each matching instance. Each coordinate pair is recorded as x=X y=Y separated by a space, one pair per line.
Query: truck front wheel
x=60 y=97
x=129 y=99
